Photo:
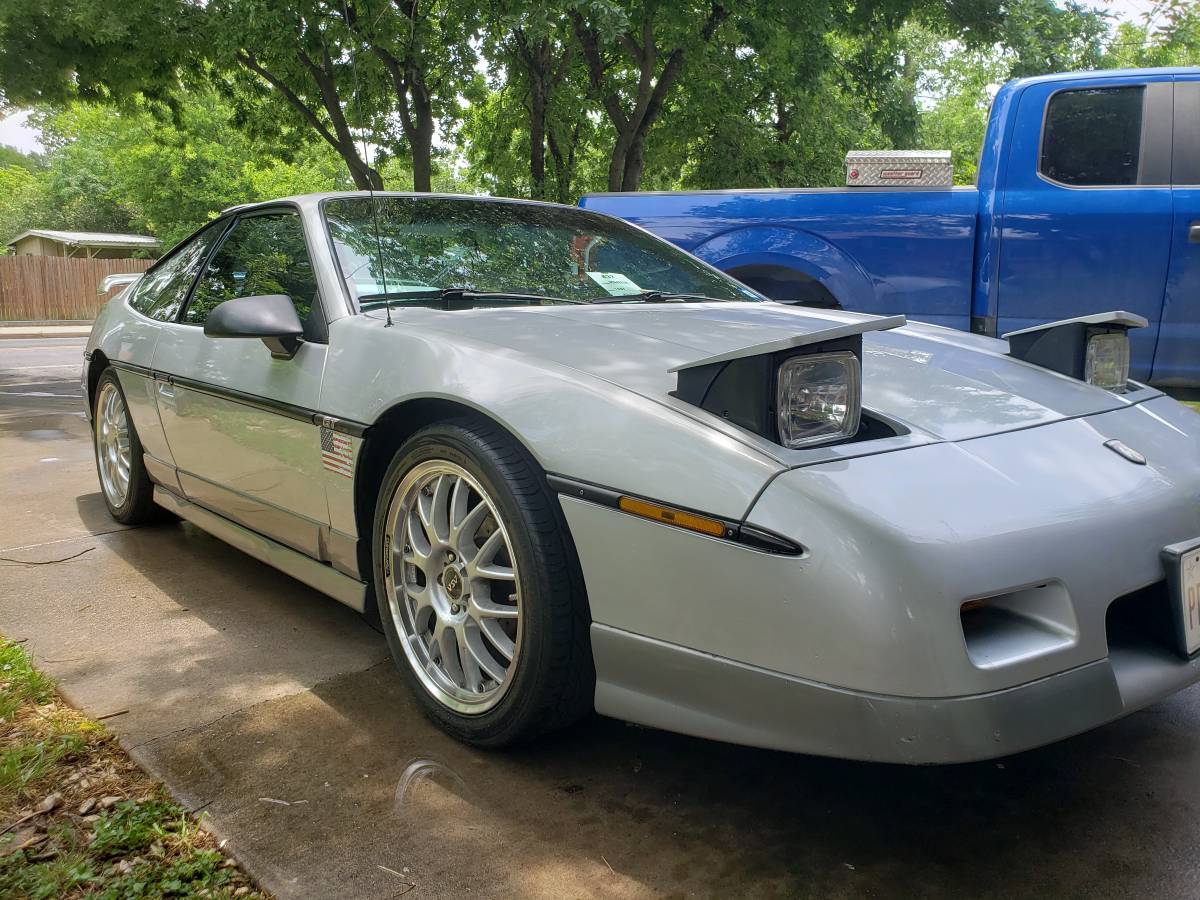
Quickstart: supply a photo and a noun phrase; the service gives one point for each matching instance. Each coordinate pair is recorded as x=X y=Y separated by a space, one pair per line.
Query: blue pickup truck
x=1088 y=198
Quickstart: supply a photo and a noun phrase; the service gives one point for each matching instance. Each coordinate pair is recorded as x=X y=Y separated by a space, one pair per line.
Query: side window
x=163 y=288
x=1093 y=136
x=262 y=254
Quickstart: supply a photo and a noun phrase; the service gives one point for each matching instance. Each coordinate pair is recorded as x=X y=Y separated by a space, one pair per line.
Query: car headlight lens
x=1106 y=363
x=818 y=398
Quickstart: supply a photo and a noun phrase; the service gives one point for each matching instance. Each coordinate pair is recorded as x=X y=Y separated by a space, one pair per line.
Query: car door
x=1086 y=224
x=240 y=423
x=156 y=299
x=1177 y=359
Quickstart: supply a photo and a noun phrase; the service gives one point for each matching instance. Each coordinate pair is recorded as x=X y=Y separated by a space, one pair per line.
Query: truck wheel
x=478 y=588
x=124 y=482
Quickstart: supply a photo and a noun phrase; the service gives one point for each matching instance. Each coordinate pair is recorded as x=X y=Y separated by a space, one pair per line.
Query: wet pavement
x=277 y=711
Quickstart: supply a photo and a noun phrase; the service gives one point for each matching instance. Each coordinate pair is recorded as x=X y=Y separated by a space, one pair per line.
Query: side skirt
x=316 y=575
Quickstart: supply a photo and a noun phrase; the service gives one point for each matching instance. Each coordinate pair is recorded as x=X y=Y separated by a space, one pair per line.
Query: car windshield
x=410 y=250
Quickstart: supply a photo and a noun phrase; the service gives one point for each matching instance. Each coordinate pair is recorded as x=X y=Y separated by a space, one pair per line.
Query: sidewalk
x=44 y=329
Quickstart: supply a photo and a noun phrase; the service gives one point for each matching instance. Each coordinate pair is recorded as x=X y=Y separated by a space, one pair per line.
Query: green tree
x=95 y=50
x=292 y=65
x=635 y=54
x=426 y=49
x=1176 y=42
x=11 y=156
x=533 y=128
x=24 y=202
x=962 y=81
x=139 y=168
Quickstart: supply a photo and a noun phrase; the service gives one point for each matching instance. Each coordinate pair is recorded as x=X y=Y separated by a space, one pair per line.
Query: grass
x=80 y=819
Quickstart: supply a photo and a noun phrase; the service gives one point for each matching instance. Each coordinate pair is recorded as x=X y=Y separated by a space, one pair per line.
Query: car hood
x=946 y=384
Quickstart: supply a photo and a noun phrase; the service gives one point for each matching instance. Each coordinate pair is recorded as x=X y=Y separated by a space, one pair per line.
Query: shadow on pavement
x=608 y=809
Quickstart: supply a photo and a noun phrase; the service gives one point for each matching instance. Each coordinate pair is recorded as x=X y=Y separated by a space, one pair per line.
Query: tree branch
x=589 y=44
x=251 y=62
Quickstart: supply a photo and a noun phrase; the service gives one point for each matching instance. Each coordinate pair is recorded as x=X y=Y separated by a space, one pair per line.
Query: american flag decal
x=337 y=452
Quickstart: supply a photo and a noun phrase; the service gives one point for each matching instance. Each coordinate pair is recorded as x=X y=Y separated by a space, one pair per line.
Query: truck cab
x=1088 y=198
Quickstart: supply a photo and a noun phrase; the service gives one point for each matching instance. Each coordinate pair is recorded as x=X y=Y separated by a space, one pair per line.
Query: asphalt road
x=277 y=711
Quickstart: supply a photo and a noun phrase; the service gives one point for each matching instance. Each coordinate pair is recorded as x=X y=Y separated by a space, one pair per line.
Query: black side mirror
x=270 y=317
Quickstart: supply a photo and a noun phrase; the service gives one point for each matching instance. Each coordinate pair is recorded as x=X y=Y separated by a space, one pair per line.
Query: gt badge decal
x=1122 y=449
x=337 y=452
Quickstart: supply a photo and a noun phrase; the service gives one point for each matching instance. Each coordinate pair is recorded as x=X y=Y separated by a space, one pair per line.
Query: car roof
x=1089 y=74
x=315 y=199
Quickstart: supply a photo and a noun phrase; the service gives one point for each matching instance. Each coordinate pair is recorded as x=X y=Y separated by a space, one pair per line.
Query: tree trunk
x=635 y=162
x=366 y=178
x=421 y=136
x=422 y=159
x=616 y=163
x=537 y=142
x=564 y=166
x=628 y=155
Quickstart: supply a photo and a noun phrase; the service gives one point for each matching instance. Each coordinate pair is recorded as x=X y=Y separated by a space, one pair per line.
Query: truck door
x=1086 y=222
x=1177 y=360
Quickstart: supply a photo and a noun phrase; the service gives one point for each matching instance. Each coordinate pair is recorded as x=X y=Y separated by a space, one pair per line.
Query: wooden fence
x=40 y=288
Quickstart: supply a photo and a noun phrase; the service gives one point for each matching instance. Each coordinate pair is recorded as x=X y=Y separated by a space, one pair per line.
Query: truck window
x=1093 y=136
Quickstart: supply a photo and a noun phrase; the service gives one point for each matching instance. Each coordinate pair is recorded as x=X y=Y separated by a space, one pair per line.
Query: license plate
x=1184 y=568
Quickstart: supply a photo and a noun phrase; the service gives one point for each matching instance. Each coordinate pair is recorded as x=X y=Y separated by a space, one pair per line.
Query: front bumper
x=706 y=696
x=861 y=647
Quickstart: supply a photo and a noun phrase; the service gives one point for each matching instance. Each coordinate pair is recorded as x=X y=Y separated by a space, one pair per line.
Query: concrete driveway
x=277 y=711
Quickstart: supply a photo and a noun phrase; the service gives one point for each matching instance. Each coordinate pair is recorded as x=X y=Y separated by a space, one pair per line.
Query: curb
x=45 y=331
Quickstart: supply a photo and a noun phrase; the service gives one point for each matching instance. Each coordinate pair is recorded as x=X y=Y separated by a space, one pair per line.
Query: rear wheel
x=126 y=486
x=477 y=586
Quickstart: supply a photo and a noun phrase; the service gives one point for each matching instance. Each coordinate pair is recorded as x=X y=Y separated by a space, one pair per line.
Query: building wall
x=37 y=246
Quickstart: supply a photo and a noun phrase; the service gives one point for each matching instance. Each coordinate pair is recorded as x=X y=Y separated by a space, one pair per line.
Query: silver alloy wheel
x=452 y=586
x=113 y=450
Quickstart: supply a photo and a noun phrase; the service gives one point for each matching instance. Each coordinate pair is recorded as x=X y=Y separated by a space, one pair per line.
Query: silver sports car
x=568 y=467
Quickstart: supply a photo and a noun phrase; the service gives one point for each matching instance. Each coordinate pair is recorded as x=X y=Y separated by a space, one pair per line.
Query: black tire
x=138 y=507
x=554 y=682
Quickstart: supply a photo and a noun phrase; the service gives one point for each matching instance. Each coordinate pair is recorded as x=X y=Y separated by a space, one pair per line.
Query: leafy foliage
x=136 y=168
x=158 y=113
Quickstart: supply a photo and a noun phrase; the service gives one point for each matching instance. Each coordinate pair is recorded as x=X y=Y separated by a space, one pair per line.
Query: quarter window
x=263 y=254
x=1093 y=137
x=164 y=287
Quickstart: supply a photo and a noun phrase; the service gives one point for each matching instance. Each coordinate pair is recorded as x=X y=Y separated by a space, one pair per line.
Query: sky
x=15 y=130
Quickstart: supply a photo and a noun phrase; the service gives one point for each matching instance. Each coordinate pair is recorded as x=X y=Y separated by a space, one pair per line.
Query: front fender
x=574 y=424
x=792 y=248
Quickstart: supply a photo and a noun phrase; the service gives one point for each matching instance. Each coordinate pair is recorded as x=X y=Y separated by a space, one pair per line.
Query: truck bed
x=879 y=250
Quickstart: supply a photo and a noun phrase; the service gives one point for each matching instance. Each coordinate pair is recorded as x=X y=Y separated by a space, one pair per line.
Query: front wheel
x=478 y=588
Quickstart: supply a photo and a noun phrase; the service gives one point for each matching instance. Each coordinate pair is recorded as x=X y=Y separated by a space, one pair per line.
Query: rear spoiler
x=119 y=279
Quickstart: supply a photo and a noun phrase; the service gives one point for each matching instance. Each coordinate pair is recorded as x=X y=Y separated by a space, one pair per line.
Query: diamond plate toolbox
x=888 y=168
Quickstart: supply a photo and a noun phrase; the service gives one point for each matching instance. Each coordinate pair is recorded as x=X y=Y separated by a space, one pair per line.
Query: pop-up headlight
x=1091 y=348
x=803 y=390
x=1106 y=360
x=817 y=398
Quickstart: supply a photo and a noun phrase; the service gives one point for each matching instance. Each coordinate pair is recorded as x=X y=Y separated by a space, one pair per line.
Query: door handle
x=166 y=390
x=1194 y=233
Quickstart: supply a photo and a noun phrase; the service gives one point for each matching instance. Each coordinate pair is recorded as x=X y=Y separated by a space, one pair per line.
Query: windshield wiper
x=460 y=295
x=657 y=297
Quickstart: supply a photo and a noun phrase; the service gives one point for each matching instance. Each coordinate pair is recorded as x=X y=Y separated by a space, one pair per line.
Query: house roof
x=91 y=238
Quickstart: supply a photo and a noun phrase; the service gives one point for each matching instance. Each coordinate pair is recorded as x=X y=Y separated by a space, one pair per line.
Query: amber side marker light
x=668 y=516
